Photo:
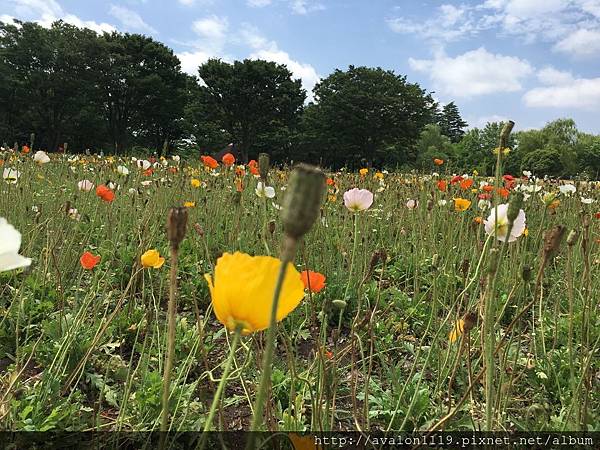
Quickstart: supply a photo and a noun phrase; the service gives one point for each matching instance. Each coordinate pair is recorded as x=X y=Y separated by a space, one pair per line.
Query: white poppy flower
x=264 y=191
x=11 y=175
x=10 y=242
x=500 y=228
x=567 y=189
x=122 y=170
x=85 y=185
x=41 y=157
x=358 y=199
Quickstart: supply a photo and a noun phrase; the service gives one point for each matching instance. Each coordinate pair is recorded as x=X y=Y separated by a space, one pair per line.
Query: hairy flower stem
x=217 y=398
x=289 y=249
x=350 y=273
x=170 y=341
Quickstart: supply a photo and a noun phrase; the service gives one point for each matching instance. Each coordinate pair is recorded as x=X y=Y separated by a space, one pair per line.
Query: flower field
x=409 y=304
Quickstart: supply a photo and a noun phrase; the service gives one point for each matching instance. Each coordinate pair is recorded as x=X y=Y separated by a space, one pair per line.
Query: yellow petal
x=159 y=263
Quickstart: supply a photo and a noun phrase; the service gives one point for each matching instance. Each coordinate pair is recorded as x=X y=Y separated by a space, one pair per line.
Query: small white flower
x=10 y=242
x=442 y=202
x=587 y=201
x=132 y=191
x=412 y=204
x=122 y=170
x=527 y=173
x=85 y=185
x=484 y=204
x=567 y=189
x=176 y=158
x=143 y=164
x=276 y=206
x=35 y=209
x=41 y=157
x=11 y=175
x=146 y=183
x=264 y=191
x=113 y=186
x=74 y=214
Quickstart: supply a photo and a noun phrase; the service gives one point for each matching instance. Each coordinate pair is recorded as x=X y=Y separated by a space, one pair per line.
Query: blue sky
x=531 y=61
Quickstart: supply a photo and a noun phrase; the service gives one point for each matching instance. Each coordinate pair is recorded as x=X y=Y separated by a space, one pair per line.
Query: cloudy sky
x=531 y=61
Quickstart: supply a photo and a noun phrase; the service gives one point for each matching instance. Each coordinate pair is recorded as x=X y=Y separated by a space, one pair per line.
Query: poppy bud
x=552 y=240
x=572 y=238
x=264 y=162
x=272 y=226
x=32 y=139
x=303 y=199
x=493 y=267
x=514 y=207
x=340 y=304
x=526 y=273
x=176 y=226
x=435 y=260
x=199 y=229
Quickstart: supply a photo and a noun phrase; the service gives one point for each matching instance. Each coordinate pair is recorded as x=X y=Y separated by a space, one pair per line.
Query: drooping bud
x=199 y=229
x=514 y=206
x=271 y=227
x=526 y=273
x=552 y=240
x=340 y=304
x=176 y=226
x=264 y=163
x=302 y=201
x=493 y=267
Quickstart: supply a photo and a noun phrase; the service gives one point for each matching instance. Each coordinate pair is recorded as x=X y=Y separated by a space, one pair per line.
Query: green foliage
x=451 y=123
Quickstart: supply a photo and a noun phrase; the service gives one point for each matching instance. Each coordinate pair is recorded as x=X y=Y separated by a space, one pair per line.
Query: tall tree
x=250 y=99
x=367 y=115
x=451 y=123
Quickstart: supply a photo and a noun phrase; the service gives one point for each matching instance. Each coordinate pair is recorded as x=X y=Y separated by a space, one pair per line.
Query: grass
x=85 y=349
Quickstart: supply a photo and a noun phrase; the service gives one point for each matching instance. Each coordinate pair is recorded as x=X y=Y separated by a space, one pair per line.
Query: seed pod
x=176 y=226
x=552 y=240
x=264 y=163
x=302 y=201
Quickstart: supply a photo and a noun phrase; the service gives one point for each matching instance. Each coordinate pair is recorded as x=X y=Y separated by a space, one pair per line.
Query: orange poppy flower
x=438 y=161
x=209 y=162
x=240 y=171
x=173 y=170
x=488 y=188
x=105 y=193
x=466 y=184
x=25 y=149
x=88 y=261
x=254 y=170
x=148 y=172
x=456 y=179
x=597 y=215
x=478 y=220
x=503 y=192
x=330 y=182
x=228 y=159
x=313 y=281
x=442 y=185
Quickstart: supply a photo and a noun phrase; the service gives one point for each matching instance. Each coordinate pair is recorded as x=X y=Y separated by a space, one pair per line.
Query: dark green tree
x=256 y=102
x=451 y=123
x=366 y=115
x=433 y=144
x=475 y=151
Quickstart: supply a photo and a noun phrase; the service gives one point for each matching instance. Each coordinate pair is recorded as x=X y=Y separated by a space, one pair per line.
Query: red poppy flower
x=598 y=215
x=442 y=185
x=456 y=179
x=330 y=182
x=148 y=172
x=105 y=193
x=314 y=281
x=484 y=196
x=25 y=149
x=503 y=192
x=252 y=163
x=173 y=170
x=209 y=162
x=228 y=159
x=508 y=177
x=466 y=184
x=88 y=261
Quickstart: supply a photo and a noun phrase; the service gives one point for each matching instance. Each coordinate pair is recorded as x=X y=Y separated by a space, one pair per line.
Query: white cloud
x=196 y=2
x=581 y=43
x=304 y=7
x=477 y=72
x=45 y=12
x=258 y=3
x=130 y=19
x=213 y=33
x=579 y=93
x=481 y=122
x=552 y=77
x=6 y=18
x=190 y=61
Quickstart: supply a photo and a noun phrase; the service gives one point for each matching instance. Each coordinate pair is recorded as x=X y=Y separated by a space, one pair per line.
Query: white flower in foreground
x=11 y=175
x=500 y=228
x=122 y=170
x=10 y=242
x=567 y=189
x=85 y=185
x=587 y=201
x=358 y=199
x=264 y=191
x=41 y=157
x=143 y=164
x=442 y=202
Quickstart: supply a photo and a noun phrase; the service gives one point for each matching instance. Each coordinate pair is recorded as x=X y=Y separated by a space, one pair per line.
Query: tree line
x=120 y=92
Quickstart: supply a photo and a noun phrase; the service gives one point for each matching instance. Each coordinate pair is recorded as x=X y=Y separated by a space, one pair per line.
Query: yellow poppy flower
x=152 y=259
x=461 y=204
x=243 y=287
x=363 y=172
x=195 y=182
x=457 y=331
x=189 y=204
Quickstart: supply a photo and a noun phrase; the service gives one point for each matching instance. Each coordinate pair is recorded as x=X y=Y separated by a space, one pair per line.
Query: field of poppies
x=137 y=294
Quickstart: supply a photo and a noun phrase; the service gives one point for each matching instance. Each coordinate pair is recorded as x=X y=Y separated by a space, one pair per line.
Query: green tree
x=252 y=100
x=451 y=123
x=367 y=115
x=476 y=149
x=432 y=144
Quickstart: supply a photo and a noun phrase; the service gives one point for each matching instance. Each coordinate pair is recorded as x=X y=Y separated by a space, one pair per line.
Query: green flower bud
x=514 y=206
x=264 y=163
